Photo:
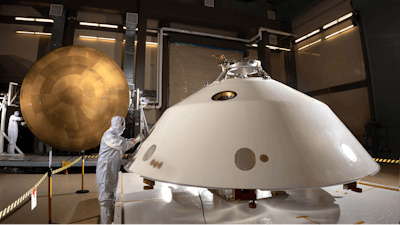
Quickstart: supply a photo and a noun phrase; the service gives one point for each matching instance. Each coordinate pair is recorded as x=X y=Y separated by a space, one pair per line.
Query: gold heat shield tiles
x=69 y=96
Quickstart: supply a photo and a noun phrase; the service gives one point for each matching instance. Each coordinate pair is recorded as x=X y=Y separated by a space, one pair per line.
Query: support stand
x=49 y=174
x=83 y=174
x=151 y=184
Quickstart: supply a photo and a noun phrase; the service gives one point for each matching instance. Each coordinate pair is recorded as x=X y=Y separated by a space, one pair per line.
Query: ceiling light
x=44 y=20
x=135 y=29
x=43 y=33
x=271 y=47
x=338 y=32
x=315 y=42
x=107 y=39
x=24 y=19
x=344 y=29
x=284 y=49
x=345 y=17
x=254 y=45
x=330 y=24
x=89 y=24
x=331 y=35
x=307 y=36
x=25 y=32
x=108 y=26
x=151 y=43
x=90 y=37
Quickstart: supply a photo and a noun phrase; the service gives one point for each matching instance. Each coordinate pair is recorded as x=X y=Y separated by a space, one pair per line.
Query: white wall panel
x=191 y=67
x=18 y=52
x=331 y=62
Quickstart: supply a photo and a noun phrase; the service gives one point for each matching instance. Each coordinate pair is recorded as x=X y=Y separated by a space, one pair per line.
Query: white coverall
x=13 y=132
x=112 y=146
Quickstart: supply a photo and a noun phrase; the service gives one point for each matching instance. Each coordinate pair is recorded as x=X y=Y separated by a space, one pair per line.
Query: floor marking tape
x=377 y=186
x=305 y=217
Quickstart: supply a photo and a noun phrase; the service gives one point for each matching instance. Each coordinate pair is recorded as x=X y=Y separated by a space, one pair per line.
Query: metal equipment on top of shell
x=241 y=68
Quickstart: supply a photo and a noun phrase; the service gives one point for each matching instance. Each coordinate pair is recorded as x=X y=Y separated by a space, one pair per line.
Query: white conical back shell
x=306 y=144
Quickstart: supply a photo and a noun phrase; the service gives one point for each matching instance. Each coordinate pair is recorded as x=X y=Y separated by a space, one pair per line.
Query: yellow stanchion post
x=50 y=193
x=83 y=175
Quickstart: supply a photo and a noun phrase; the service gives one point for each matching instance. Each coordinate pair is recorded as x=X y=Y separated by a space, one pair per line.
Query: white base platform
x=169 y=203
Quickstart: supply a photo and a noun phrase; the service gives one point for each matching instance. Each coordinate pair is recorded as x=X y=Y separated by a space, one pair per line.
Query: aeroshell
x=198 y=141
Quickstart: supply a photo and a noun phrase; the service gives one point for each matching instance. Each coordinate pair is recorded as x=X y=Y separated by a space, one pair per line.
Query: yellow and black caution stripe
x=386 y=160
x=14 y=205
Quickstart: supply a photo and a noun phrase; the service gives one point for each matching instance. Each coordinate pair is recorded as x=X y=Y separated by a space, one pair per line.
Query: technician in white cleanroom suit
x=13 y=131
x=112 y=146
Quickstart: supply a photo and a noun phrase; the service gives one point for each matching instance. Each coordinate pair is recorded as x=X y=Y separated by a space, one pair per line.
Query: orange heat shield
x=69 y=96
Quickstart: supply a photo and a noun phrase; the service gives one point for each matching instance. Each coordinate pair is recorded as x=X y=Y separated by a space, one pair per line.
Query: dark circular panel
x=264 y=158
x=225 y=95
x=149 y=152
x=245 y=159
x=69 y=96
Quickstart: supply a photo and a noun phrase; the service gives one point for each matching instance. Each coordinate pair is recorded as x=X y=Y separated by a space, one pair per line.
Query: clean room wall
x=18 y=52
x=191 y=67
x=333 y=62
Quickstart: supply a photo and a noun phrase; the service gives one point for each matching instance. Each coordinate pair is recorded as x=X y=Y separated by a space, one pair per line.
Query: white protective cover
x=306 y=143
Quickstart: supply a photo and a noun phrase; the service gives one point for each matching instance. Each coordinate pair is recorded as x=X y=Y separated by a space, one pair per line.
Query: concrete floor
x=69 y=207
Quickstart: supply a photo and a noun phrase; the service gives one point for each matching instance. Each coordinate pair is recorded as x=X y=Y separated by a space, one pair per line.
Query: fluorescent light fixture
x=306 y=46
x=255 y=45
x=147 y=42
x=107 y=39
x=277 y=48
x=331 y=35
x=284 y=49
x=271 y=47
x=136 y=28
x=345 y=17
x=307 y=36
x=25 y=32
x=44 y=20
x=89 y=24
x=43 y=33
x=338 y=32
x=300 y=39
x=90 y=37
x=348 y=15
x=312 y=33
x=24 y=19
x=330 y=24
x=344 y=29
x=108 y=25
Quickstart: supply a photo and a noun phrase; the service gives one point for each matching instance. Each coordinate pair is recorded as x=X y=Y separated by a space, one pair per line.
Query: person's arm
x=119 y=143
x=17 y=118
